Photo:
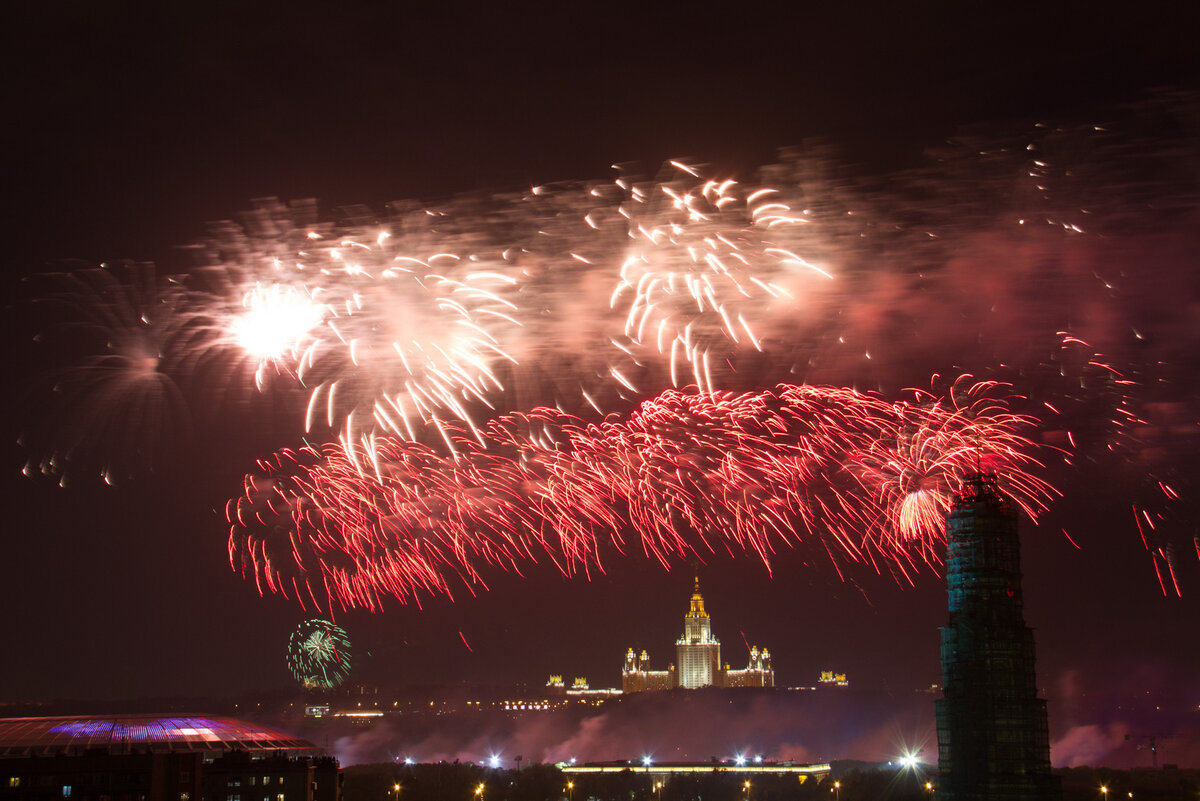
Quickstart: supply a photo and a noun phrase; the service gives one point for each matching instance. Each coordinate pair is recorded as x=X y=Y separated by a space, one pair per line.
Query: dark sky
x=130 y=128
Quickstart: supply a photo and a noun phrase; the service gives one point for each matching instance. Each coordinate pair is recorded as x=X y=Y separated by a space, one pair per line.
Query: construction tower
x=993 y=736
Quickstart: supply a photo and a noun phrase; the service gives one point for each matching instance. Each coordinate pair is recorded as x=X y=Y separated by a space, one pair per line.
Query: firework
x=274 y=326
x=129 y=340
x=319 y=654
x=415 y=325
x=703 y=263
x=416 y=316
x=687 y=474
x=387 y=327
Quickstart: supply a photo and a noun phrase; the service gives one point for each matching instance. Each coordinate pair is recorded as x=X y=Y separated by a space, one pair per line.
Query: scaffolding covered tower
x=992 y=729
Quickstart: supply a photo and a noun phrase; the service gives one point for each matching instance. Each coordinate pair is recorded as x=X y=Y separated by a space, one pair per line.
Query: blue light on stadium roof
x=125 y=733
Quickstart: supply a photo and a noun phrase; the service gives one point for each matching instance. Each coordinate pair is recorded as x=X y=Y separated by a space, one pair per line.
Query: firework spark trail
x=414 y=317
x=395 y=320
x=703 y=263
x=389 y=322
x=117 y=407
x=1005 y=255
x=686 y=474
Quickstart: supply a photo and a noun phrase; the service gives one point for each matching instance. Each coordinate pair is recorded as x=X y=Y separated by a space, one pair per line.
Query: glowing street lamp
x=837 y=791
x=658 y=790
x=746 y=787
x=479 y=792
x=570 y=791
x=1104 y=792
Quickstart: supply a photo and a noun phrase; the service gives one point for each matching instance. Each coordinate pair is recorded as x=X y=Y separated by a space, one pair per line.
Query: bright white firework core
x=275 y=321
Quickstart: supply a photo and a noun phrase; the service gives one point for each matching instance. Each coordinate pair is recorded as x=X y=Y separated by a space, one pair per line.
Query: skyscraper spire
x=696 y=606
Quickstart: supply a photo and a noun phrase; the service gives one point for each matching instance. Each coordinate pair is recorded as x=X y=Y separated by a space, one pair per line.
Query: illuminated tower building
x=697 y=652
x=699 y=656
x=993 y=736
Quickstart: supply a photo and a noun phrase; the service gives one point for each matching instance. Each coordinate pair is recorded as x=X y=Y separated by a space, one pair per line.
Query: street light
x=746 y=785
x=837 y=790
x=479 y=791
x=570 y=791
x=1104 y=792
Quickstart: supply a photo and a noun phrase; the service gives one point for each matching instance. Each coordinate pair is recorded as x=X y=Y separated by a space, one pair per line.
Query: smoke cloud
x=800 y=725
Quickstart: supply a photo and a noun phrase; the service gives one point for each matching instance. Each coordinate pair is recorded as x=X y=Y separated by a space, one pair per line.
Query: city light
x=493 y=761
x=647 y=761
x=740 y=761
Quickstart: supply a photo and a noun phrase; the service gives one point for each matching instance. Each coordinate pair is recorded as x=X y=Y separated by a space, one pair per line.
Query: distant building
x=829 y=678
x=637 y=676
x=240 y=776
x=992 y=730
x=152 y=758
x=698 y=656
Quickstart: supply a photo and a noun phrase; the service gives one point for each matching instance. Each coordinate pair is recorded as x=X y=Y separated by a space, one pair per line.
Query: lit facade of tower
x=697 y=652
x=992 y=729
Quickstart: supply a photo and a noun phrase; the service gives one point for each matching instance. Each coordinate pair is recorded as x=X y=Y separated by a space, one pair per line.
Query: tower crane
x=1151 y=743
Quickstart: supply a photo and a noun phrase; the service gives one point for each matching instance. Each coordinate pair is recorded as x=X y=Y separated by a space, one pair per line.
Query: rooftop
x=124 y=734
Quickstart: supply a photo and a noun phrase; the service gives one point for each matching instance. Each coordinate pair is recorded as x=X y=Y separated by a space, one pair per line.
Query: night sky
x=130 y=129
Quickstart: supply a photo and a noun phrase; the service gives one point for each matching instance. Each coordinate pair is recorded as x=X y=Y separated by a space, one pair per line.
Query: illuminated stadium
x=131 y=734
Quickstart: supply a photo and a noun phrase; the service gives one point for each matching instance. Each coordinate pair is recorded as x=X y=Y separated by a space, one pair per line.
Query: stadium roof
x=125 y=734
